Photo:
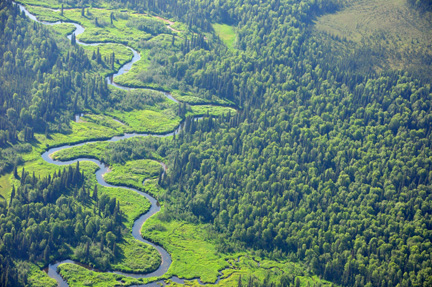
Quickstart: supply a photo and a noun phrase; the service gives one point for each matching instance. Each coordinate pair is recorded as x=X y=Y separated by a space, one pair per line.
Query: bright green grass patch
x=189 y=98
x=84 y=131
x=38 y=278
x=137 y=257
x=103 y=121
x=152 y=187
x=191 y=255
x=80 y=132
x=152 y=121
x=211 y=110
x=78 y=276
x=93 y=150
x=5 y=186
x=133 y=173
x=63 y=30
x=226 y=33
x=179 y=27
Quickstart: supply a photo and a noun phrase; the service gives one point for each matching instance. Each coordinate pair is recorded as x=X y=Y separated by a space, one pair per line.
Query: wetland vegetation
x=293 y=147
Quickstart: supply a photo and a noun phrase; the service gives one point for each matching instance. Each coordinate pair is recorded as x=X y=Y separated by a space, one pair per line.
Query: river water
x=103 y=168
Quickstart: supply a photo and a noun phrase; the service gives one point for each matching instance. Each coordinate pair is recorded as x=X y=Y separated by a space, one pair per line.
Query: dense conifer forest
x=322 y=163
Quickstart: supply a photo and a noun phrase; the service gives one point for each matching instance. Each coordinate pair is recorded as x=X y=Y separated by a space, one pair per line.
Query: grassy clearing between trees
x=211 y=110
x=191 y=255
x=191 y=99
x=133 y=173
x=93 y=150
x=137 y=257
x=62 y=30
x=5 y=186
x=226 y=33
x=152 y=121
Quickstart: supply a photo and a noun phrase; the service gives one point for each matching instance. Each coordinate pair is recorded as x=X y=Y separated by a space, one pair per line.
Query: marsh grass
x=226 y=33
x=133 y=173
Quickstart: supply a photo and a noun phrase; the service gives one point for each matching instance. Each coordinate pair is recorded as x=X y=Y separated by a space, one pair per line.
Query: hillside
x=380 y=35
x=231 y=143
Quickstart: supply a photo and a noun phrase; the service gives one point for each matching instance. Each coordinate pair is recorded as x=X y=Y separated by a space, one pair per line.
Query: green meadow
x=133 y=173
x=152 y=121
x=226 y=33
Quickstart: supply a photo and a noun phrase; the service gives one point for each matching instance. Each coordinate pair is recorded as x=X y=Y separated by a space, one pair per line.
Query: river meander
x=103 y=168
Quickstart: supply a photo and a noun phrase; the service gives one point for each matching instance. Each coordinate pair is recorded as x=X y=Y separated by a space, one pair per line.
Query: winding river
x=103 y=168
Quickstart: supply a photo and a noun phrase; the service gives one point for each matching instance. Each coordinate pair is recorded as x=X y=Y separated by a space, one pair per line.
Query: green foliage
x=61 y=198
x=40 y=86
x=148 y=25
x=273 y=177
x=328 y=163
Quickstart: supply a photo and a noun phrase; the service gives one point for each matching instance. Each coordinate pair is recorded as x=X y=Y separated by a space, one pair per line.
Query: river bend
x=103 y=168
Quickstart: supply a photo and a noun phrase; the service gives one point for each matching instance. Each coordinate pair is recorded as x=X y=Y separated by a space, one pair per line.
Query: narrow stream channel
x=103 y=169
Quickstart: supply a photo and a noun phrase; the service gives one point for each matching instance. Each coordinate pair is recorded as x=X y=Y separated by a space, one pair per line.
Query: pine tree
x=15 y=172
x=12 y=195
x=23 y=174
x=95 y=194
x=46 y=253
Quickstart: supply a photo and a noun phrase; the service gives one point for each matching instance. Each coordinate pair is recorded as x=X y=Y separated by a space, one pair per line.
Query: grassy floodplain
x=192 y=247
x=194 y=254
x=184 y=241
x=133 y=173
x=136 y=256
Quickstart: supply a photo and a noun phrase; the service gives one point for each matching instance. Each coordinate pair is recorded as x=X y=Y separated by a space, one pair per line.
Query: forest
x=296 y=150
